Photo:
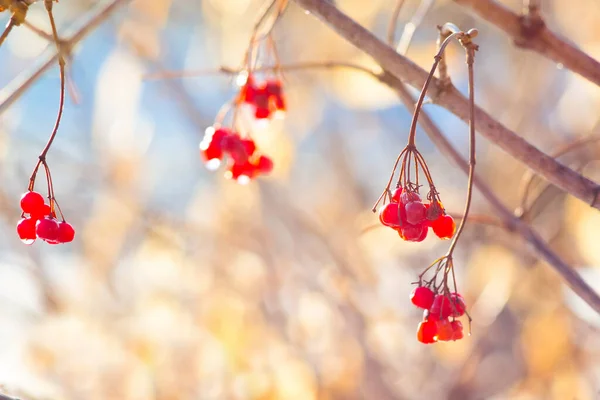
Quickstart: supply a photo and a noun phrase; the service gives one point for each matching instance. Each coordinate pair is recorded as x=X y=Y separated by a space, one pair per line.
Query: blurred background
x=181 y=284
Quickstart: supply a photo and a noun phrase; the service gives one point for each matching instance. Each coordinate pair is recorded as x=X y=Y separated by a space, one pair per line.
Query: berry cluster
x=244 y=161
x=439 y=322
x=39 y=221
x=411 y=218
x=266 y=99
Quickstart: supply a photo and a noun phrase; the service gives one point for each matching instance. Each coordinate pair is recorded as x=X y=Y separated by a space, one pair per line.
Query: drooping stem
x=471 y=48
x=9 y=26
x=413 y=125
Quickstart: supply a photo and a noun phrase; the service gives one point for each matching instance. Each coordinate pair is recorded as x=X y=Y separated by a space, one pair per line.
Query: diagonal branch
x=15 y=89
x=451 y=99
x=532 y=33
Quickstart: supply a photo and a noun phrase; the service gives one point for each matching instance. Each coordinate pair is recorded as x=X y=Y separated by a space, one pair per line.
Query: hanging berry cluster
x=257 y=100
x=405 y=212
x=38 y=218
x=38 y=221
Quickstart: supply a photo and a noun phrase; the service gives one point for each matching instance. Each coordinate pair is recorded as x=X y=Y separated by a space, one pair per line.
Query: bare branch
x=536 y=37
x=451 y=99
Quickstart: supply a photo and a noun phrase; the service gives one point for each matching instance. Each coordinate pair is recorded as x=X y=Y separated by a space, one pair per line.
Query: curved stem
x=470 y=60
x=413 y=124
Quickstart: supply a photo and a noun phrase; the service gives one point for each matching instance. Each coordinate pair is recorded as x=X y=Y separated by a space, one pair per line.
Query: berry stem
x=9 y=26
x=413 y=125
x=470 y=48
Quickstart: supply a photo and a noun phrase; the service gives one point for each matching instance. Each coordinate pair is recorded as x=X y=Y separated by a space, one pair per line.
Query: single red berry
x=434 y=210
x=235 y=147
x=241 y=172
x=422 y=297
x=413 y=233
x=444 y=227
x=279 y=103
x=444 y=330
x=415 y=212
x=248 y=91
x=66 y=233
x=390 y=216
x=441 y=307
x=457 y=330
x=47 y=229
x=26 y=230
x=41 y=213
x=396 y=195
x=264 y=165
x=211 y=147
x=32 y=202
x=407 y=197
x=273 y=87
x=459 y=304
x=427 y=332
x=249 y=146
x=262 y=113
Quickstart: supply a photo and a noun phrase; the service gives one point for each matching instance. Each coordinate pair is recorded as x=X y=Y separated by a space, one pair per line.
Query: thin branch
x=536 y=37
x=15 y=89
x=9 y=26
x=411 y=27
x=451 y=99
x=391 y=31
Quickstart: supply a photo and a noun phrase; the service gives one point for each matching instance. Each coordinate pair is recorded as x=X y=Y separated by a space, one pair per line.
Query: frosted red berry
x=415 y=212
x=47 y=229
x=459 y=304
x=390 y=216
x=457 y=330
x=26 y=230
x=32 y=202
x=444 y=227
x=211 y=147
x=427 y=332
x=422 y=297
x=444 y=330
x=264 y=165
x=66 y=233
x=413 y=233
x=441 y=307
x=407 y=197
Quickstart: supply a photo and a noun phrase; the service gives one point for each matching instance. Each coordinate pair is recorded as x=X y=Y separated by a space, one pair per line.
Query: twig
x=9 y=26
x=20 y=84
x=536 y=37
x=401 y=67
x=391 y=31
x=411 y=27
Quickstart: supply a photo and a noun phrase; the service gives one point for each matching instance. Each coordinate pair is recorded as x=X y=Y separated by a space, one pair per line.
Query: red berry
x=31 y=202
x=457 y=330
x=248 y=91
x=241 y=172
x=47 y=229
x=264 y=165
x=211 y=147
x=390 y=216
x=235 y=147
x=415 y=212
x=422 y=297
x=413 y=233
x=273 y=87
x=262 y=113
x=41 y=213
x=407 y=197
x=249 y=146
x=279 y=103
x=459 y=304
x=26 y=230
x=444 y=330
x=441 y=307
x=427 y=332
x=396 y=195
x=444 y=227
x=66 y=233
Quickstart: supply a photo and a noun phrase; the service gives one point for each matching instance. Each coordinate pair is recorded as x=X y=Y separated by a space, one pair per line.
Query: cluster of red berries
x=412 y=218
x=245 y=162
x=266 y=99
x=439 y=323
x=41 y=222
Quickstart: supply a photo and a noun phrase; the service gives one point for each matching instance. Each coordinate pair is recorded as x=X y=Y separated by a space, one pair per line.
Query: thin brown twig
x=451 y=99
x=536 y=37
x=9 y=26
x=411 y=27
x=15 y=89
x=391 y=30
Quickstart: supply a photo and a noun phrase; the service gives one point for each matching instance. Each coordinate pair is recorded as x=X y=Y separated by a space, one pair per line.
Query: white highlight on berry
x=213 y=165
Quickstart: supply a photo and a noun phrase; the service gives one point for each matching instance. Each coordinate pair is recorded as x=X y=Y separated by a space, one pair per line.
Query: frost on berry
x=26 y=230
